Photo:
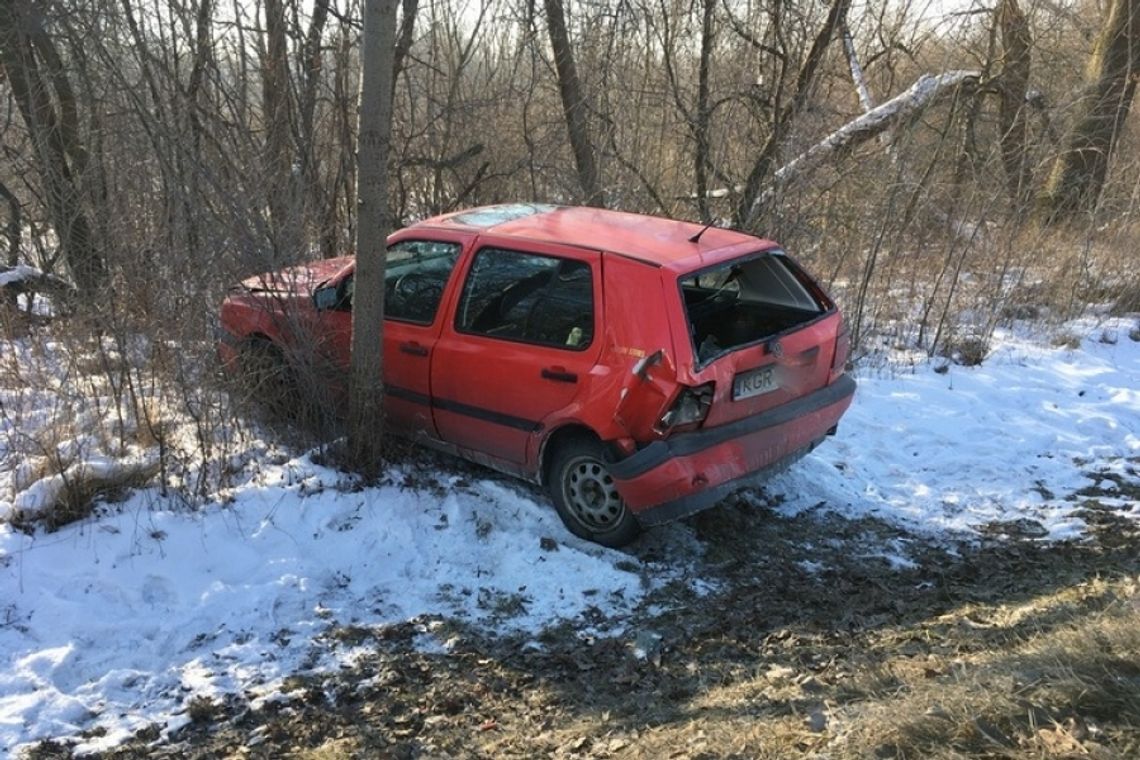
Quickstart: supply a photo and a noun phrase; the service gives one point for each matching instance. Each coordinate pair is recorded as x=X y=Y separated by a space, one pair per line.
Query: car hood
x=298 y=280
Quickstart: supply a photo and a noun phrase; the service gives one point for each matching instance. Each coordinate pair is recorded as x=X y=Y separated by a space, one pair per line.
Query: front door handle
x=559 y=374
x=413 y=348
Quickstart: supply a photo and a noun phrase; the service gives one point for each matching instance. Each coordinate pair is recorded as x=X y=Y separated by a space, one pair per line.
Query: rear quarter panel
x=636 y=324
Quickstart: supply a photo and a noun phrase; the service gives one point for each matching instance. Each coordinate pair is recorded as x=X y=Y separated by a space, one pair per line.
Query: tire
x=267 y=378
x=585 y=496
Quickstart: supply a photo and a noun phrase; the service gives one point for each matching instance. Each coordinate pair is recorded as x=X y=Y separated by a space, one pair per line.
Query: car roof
x=654 y=240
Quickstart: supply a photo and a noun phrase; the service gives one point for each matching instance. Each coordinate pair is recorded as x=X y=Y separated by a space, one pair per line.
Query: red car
x=639 y=368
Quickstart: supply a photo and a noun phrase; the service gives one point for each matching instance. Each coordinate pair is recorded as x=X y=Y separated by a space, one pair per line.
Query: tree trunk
x=1014 y=83
x=281 y=186
x=405 y=38
x=1079 y=172
x=317 y=198
x=701 y=170
x=202 y=53
x=53 y=140
x=12 y=229
x=574 y=105
x=857 y=75
x=373 y=224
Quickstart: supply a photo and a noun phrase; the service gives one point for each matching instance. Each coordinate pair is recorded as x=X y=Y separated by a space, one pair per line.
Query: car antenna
x=697 y=238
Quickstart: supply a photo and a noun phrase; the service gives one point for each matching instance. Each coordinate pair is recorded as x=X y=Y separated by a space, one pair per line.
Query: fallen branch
x=904 y=106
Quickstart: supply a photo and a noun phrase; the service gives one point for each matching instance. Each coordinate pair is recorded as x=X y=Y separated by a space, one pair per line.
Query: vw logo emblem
x=775 y=349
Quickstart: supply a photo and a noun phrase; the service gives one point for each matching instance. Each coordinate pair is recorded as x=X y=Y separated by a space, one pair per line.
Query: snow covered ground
x=121 y=620
x=939 y=446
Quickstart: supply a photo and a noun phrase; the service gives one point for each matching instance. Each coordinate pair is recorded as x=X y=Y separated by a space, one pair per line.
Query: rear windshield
x=745 y=301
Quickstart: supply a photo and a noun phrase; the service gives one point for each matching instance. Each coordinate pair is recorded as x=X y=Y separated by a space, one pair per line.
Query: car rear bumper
x=689 y=472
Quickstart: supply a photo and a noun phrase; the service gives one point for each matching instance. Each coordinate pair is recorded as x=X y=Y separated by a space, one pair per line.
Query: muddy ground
x=811 y=640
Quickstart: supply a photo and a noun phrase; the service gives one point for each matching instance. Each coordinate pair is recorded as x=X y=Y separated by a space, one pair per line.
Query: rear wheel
x=586 y=497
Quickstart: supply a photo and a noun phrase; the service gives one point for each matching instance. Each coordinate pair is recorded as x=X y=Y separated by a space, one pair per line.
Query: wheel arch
x=556 y=438
x=258 y=337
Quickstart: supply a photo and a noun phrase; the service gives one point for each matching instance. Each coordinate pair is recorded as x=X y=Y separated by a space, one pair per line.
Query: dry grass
x=86 y=415
x=1055 y=676
x=79 y=489
x=945 y=294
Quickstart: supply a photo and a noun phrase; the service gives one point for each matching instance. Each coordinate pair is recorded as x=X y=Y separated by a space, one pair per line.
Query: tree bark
x=12 y=229
x=366 y=423
x=281 y=186
x=1079 y=173
x=1014 y=83
x=701 y=169
x=574 y=105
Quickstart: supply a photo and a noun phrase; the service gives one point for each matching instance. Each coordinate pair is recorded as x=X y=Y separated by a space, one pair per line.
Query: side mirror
x=325 y=298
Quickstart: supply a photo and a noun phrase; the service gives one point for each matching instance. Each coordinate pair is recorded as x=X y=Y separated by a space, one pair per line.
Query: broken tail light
x=842 y=351
x=689 y=410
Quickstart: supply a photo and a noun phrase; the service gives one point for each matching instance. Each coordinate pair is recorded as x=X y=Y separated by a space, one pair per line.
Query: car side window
x=529 y=298
x=415 y=274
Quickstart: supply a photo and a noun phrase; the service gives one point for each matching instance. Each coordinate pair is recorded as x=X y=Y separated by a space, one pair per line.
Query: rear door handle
x=413 y=348
x=558 y=374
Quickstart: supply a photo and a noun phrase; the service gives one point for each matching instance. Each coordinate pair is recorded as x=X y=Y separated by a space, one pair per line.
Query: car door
x=417 y=280
x=523 y=337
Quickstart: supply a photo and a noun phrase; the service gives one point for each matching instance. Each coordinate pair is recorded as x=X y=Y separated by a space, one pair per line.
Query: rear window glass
x=743 y=302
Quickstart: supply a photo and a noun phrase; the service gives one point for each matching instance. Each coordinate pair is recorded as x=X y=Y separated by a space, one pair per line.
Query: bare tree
x=278 y=151
x=748 y=208
x=927 y=90
x=35 y=73
x=1013 y=85
x=12 y=230
x=438 y=104
x=701 y=159
x=311 y=63
x=1079 y=173
x=574 y=105
x=366 y=392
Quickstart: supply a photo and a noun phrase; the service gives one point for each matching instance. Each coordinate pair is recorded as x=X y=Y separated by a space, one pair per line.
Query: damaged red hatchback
x=639 y=368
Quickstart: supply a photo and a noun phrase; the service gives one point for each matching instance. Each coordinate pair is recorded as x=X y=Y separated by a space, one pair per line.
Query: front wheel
x=267 y=377
x=585 y=496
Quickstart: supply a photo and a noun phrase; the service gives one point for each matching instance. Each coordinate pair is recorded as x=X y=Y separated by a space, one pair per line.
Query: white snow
x=119 y=621
x=18 y=273
x=981 y=445
x=122 y=621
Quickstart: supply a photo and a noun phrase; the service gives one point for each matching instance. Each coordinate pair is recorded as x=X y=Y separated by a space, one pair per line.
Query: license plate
x=754 y=383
